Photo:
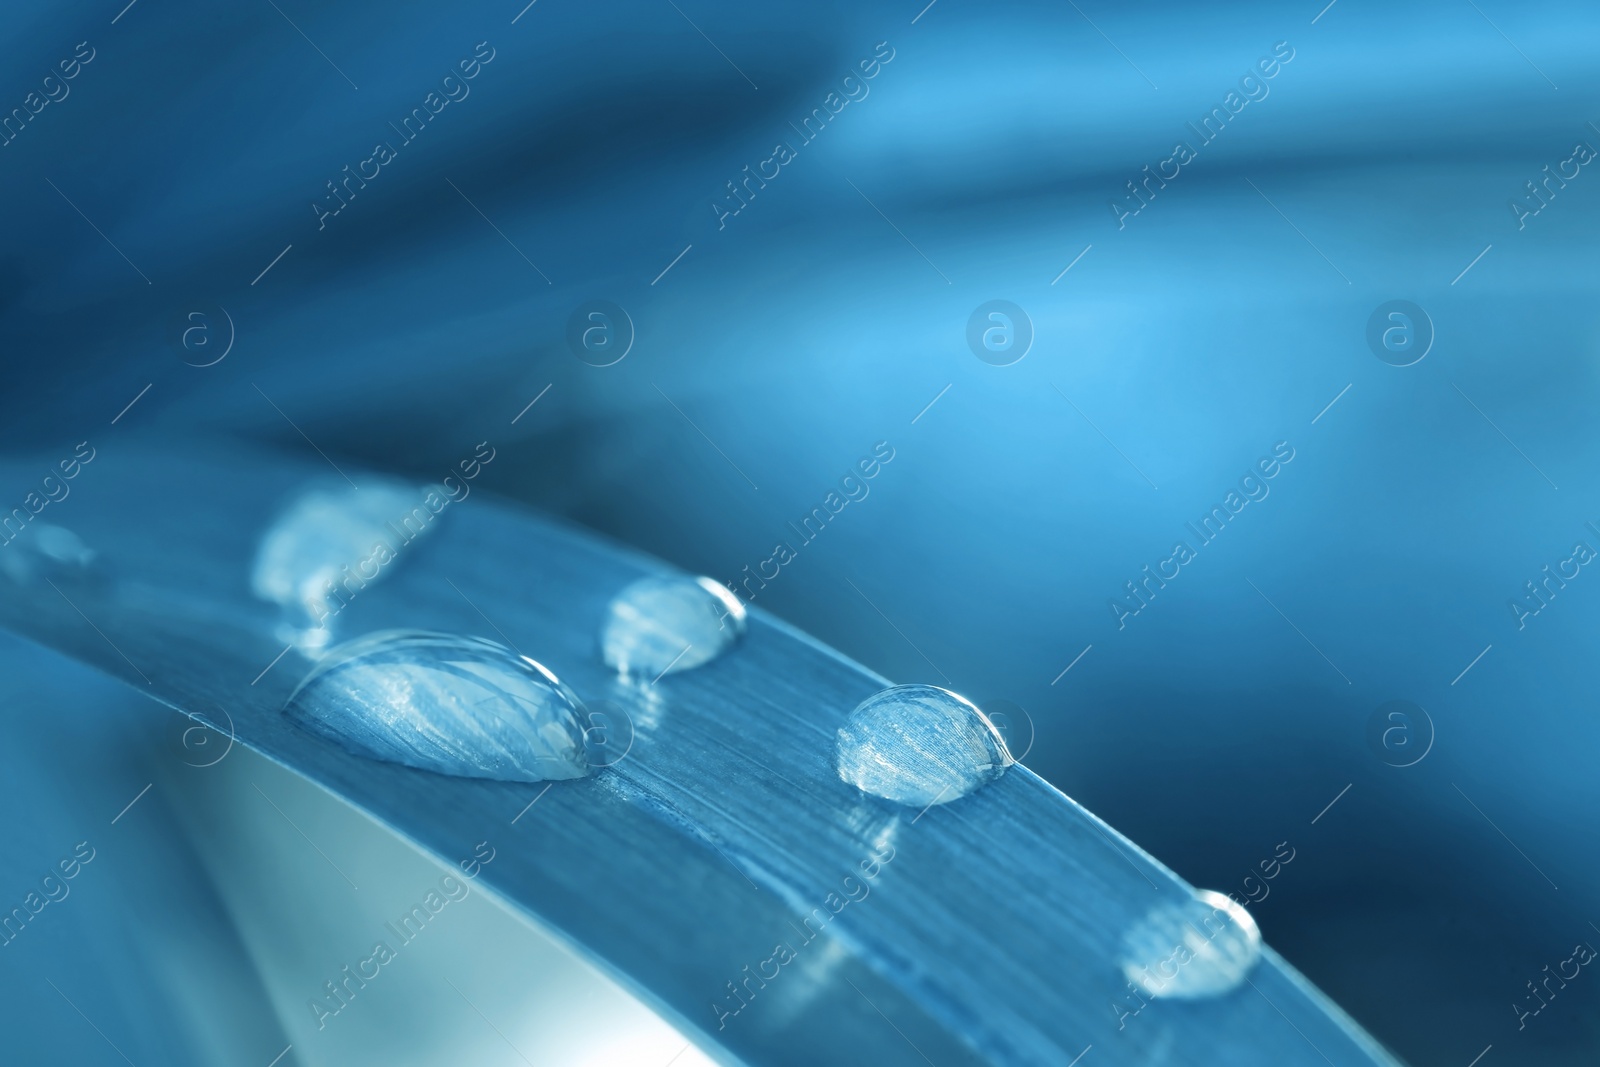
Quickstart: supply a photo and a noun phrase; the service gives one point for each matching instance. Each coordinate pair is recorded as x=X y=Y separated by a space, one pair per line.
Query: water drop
x=1202 y=947
x=920 y=745
x=463 y=706
x=656 y=625
x=46 y=551
x=329 y=544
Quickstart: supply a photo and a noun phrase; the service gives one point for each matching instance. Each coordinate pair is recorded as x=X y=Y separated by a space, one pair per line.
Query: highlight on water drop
x=920 y=745
x=1203 y=946
x=462 y=706
x=658 y=626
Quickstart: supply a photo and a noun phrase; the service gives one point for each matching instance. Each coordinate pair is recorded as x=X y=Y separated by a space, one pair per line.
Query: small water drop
x=463 y=706
x=330 y=543
x=656 y=625
x=1201 y=947
x=46 y=551
x=920 y=745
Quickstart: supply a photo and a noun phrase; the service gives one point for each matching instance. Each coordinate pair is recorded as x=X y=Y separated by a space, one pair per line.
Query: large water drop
x=656 y=625
x=920 y=745
x=1201 y=947
x=462 y=706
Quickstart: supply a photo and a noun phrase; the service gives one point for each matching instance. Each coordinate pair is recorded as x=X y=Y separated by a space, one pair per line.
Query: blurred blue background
x=180 y=170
